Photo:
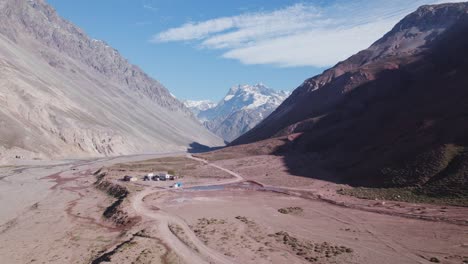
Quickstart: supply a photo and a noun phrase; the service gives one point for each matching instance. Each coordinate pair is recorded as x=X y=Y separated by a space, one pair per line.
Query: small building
x=126 y=178
x=167 y=176
x=133 y=179
x=164 y=175
x=130 y=178
x=155 y=178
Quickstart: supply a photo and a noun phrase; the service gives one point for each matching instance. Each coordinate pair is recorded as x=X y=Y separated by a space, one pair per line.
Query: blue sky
x=200 y=48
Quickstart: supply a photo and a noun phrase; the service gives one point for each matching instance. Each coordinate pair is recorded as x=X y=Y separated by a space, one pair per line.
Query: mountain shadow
x=406 y=127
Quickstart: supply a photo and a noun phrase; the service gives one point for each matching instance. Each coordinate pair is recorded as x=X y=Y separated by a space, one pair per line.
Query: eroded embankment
x=115 y=212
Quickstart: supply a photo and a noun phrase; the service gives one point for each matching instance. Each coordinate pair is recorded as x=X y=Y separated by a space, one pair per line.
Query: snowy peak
x=243 y=107
x=253 y=96
x=198 y=106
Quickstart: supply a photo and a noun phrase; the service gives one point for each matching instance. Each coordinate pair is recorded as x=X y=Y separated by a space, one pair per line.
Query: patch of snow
x=228 y=97
x=201 y=105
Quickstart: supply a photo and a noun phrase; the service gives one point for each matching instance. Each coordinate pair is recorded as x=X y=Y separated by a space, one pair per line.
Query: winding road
x=187 y=253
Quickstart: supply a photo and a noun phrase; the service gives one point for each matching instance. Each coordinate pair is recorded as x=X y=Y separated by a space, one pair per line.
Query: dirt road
x=205 y=254
x=373 y=236
x=37 y=195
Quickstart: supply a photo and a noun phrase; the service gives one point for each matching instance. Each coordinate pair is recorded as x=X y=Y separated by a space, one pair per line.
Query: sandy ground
x=242 y=221
x=242 y=225
x=51 y=213
x=225 y=213
x=270 y=171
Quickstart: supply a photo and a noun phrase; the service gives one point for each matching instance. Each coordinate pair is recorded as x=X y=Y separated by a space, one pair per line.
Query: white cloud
x=319 y=48
x=298 y=35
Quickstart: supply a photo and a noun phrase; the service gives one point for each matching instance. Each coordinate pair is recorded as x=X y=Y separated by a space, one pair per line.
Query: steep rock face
x=241 y=109
x=395 y=114
x=64 y=94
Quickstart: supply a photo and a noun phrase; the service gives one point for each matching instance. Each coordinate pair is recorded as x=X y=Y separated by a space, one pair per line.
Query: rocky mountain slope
x=64 y=94
x=241 y=109
x=395 y=114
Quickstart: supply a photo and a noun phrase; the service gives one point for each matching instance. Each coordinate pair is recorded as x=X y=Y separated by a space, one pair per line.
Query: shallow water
x=207 y=188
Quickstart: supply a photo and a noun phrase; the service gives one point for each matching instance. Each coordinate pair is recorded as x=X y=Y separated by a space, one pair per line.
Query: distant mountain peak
x=241 y=109
x=198 y=106
x=247 y=88
x=251 y=96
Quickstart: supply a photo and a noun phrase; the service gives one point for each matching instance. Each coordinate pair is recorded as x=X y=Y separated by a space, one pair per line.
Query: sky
x=198 y=49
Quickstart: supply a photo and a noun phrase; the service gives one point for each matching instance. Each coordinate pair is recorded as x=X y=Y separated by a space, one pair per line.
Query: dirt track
x=163 y=219
x=235 y=222
x=375 y=237
x=34 y=197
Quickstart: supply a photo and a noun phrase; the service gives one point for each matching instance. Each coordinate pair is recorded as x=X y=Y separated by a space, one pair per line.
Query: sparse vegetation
x=309 y=251
x=180 y=233
x=245 y=220
x=266 y=147
x=423 y=167
x=200 y=229
x=210 y=221
x=291 y=210
x=171 y=165
x=411 y=195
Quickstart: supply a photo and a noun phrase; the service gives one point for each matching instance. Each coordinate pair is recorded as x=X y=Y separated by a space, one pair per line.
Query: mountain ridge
x=78 y=96
x=393 y=115
x=350 y=72
x=240 y=109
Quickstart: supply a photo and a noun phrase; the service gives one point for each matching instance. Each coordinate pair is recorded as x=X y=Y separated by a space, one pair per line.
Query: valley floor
x=224 y=213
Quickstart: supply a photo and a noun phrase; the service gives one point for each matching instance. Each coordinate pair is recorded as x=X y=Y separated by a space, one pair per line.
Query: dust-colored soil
x=239 y=210
x=188 y=171
x=271 y=171
x=246 y=226
x=52 y=213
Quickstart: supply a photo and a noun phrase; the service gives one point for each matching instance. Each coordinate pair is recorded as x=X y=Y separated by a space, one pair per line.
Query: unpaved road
x=60 y=194
x=205 y=254
x=380 y=236
x=25 y=220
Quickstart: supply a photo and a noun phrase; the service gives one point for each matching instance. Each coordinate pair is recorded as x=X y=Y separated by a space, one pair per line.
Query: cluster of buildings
x=154 y=177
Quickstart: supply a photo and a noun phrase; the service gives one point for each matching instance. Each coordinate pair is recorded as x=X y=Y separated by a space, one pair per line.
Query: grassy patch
x=411 y=195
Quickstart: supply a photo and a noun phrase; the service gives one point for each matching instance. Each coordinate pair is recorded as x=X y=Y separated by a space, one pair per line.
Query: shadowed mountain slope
x=395 y=114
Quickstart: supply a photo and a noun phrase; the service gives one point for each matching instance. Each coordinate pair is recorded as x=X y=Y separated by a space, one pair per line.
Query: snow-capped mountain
x=241 y=109
x=197 y=106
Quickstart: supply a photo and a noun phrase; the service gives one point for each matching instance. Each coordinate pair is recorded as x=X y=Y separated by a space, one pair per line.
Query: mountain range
x=67 y=95
x=392 y=115
x=241 y=109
